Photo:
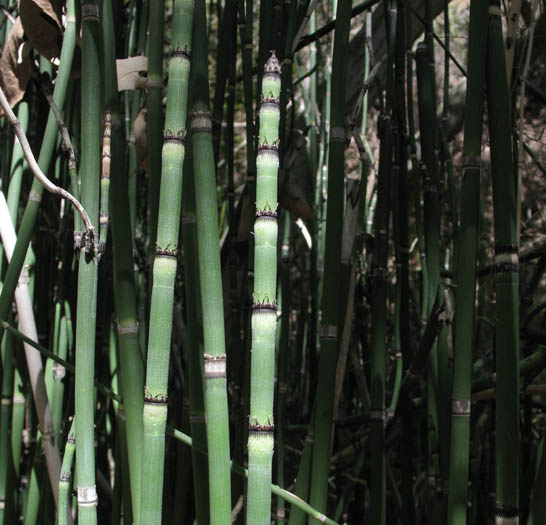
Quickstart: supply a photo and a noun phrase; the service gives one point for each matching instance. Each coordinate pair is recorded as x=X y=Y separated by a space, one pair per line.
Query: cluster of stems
x=284 y=268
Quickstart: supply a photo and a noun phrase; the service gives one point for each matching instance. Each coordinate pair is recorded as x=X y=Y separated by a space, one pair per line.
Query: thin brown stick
x=66 y=142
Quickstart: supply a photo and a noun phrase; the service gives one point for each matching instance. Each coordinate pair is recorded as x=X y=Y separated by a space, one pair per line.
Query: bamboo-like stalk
x=88 y=266
x=241 y=363
x=154 y=114
x=164 y=271
x=428 y=128
x=426 y=92
x=227 y=30
x=379 y=319
x=195 y=330
x=216 y=405
x=329 y=301
x=264 y=307
x=506 y=276
x=131 y=366
x=466 y=268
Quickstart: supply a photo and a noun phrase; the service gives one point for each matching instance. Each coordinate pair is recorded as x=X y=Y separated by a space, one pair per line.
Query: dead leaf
x=42 y=22
x=15 y=65
x=128 y=70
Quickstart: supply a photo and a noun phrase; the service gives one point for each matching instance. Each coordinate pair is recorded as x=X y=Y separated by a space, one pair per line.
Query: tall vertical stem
x=164 y=271
x=154 y=113
x=506 y=276
x=210 y=277
x=264 y=307
x=329 y=302
x=467 y=250
x=88 y=265
x=131 y=367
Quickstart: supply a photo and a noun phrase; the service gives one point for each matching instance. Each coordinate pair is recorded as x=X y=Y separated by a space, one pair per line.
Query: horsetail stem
x=264 y=307
x=164 y=270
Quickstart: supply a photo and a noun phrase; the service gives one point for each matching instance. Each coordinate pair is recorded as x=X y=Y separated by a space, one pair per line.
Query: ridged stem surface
x=164 y=270
x=88 y=265
x=210 y=278
x=329 y=300
x=131 y=366
x=506 y=276
x=264 y=307
x=467 y=248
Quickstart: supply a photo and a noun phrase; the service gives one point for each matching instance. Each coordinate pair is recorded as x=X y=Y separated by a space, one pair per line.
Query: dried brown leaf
x=42 y=21
x=15 y=65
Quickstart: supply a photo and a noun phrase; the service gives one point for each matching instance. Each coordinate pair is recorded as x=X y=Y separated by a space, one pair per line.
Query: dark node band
x=506 y=511
x=273 y=147
x=174 y=138
x=260 y=429
x=179 y=52
x=266 y=305
x=271 y=103
x=266 y=213
x=155 y=400
x=165 y=252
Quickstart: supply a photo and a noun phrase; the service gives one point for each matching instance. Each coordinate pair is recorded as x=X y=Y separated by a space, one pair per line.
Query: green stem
x=506 y=276
x=210 y=278
x=164 y=270
x=154 y=113
x=467 y=248
x=88 y=265
x=329 y=330
x=264 y=307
